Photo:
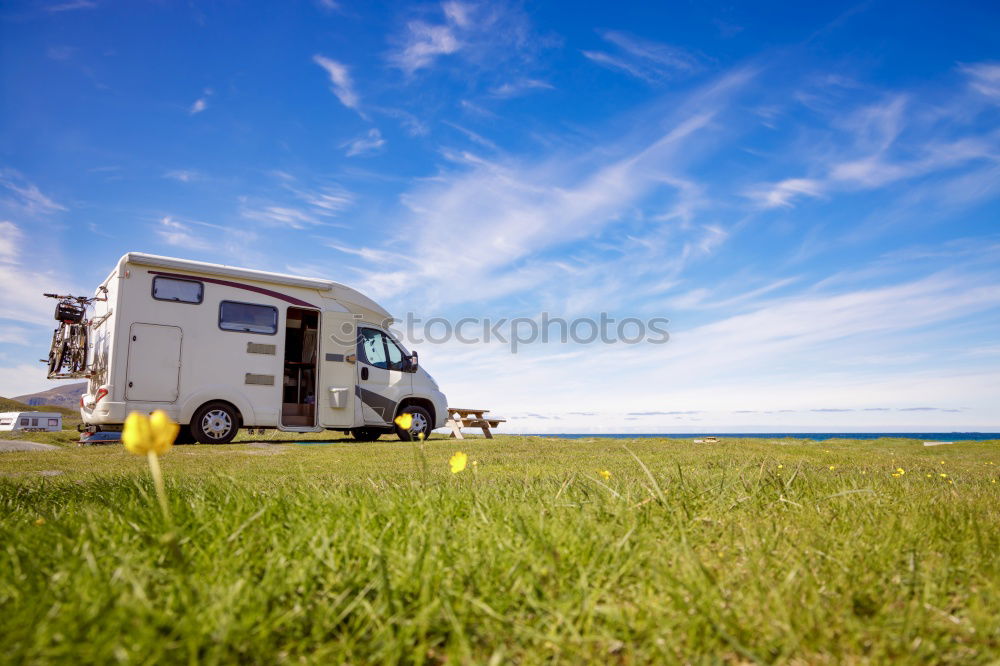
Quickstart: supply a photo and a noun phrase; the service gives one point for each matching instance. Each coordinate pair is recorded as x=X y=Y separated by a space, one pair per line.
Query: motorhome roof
x=231 y=271
x=336 y=290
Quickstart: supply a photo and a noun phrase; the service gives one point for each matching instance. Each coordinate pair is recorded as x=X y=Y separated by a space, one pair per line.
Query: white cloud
x=520 y=87
x=10 y=239
x=782 y=193
x=370 y=143
x=201 y=103
x=340 y=79
x=644 y=59
x=509 y=214
x=26 y=197
x=483 y=34
x=799 y=353
x=296 y=205
x=182 y=175
x=891 y=141
x=72 y=5
x=425 y=43
x=180 y=235
x=984 y=78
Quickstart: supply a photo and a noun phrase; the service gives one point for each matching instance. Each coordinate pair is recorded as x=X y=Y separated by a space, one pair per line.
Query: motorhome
x=221 y=348
x=43 y=421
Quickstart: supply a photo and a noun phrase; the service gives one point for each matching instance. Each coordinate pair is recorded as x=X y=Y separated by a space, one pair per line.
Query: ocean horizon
x=925 y=436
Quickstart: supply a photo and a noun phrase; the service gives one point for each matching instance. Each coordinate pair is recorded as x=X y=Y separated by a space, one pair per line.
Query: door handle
x=364 y=373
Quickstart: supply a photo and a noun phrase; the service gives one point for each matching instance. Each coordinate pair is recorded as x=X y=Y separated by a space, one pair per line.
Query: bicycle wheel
x=56 y=352
x=78 y=349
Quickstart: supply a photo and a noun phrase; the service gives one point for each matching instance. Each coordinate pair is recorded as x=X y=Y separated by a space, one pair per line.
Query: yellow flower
x=475 y=462
x=404 y=420
x=781 y=467
x=899 y=470
x=943 y=476
x=942 y=462
x=41 y=521
x=896 y=476
x=605 y=474
x=458 y=462
x=929 y=475
x=155 y=434
x=833 y=467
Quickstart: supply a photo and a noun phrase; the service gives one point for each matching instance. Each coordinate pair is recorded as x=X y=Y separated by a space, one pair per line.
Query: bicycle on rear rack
x=68 y=351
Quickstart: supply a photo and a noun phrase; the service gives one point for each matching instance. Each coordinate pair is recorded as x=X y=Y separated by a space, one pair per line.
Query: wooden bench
x=471 y=418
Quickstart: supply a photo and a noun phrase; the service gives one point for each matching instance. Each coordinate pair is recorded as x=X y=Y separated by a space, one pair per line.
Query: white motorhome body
x=220 y=348
x=47 y=421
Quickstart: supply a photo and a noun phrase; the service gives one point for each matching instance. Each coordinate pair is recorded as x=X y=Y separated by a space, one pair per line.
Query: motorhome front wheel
x=215 y=423
x=421 y=423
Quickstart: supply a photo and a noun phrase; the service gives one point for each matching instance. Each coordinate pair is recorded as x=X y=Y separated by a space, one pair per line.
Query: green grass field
x=339 y=552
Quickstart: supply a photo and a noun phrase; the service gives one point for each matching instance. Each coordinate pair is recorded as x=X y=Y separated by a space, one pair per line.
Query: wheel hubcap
x=418 y=425
x=216 y=424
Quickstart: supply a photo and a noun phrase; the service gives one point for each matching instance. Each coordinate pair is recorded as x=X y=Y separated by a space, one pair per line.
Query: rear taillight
x=100 y=394
x=81 y=402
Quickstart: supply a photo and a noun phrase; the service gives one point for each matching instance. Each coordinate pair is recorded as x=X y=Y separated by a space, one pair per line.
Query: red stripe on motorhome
x=237 y=285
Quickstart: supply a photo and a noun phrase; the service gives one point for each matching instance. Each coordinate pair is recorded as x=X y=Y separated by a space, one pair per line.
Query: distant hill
x=8 y=405
x=67 y=395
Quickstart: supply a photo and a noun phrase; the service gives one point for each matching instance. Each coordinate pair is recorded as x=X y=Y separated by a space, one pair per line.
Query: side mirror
x=414 y=363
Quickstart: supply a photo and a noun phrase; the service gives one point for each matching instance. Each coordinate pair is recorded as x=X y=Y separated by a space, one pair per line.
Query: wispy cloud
x=368 y=144
x=10 y=238
x=514 y=211
x=897 y=139
x=201 y=103
x=297 y=205
x=70 y=6
x=481 y=33
x=644 y=59
x=519 y=87
x=183 y=175
x=425 y=43
x=180 y=235
x=984 y=78
x=784 y=192
x=342 y=85
x=25 y=196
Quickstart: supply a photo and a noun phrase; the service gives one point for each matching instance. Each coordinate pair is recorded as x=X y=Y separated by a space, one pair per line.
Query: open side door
x=337 y=370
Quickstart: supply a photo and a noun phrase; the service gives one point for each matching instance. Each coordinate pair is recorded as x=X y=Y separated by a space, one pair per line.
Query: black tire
x=366 y=434
x=78 y=349
x=421 y=424
x=56 y=352
x=215 y=423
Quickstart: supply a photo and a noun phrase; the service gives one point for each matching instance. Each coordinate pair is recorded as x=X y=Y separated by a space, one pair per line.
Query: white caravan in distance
x=45 y=421
x=221 y=348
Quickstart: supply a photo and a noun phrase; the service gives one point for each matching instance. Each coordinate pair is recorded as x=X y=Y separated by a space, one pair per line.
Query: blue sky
x=807 y=192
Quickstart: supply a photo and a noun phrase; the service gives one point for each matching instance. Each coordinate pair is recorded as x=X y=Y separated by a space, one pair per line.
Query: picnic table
x=471 y=418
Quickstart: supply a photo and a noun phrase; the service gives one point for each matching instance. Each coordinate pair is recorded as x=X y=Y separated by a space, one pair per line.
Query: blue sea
x=922 y=436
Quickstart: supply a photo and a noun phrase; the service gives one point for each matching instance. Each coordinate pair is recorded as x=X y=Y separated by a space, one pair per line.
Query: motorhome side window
x=396 y=359
x=248 y=318
x=371 y=347
x=179 y=291
x=379 y=350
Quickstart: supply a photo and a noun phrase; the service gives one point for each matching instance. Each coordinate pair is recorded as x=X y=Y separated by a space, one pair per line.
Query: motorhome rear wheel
x=215 y=423
x=366 y=434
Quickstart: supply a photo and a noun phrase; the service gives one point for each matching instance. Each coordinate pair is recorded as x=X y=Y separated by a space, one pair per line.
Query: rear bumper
x=104 y=412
